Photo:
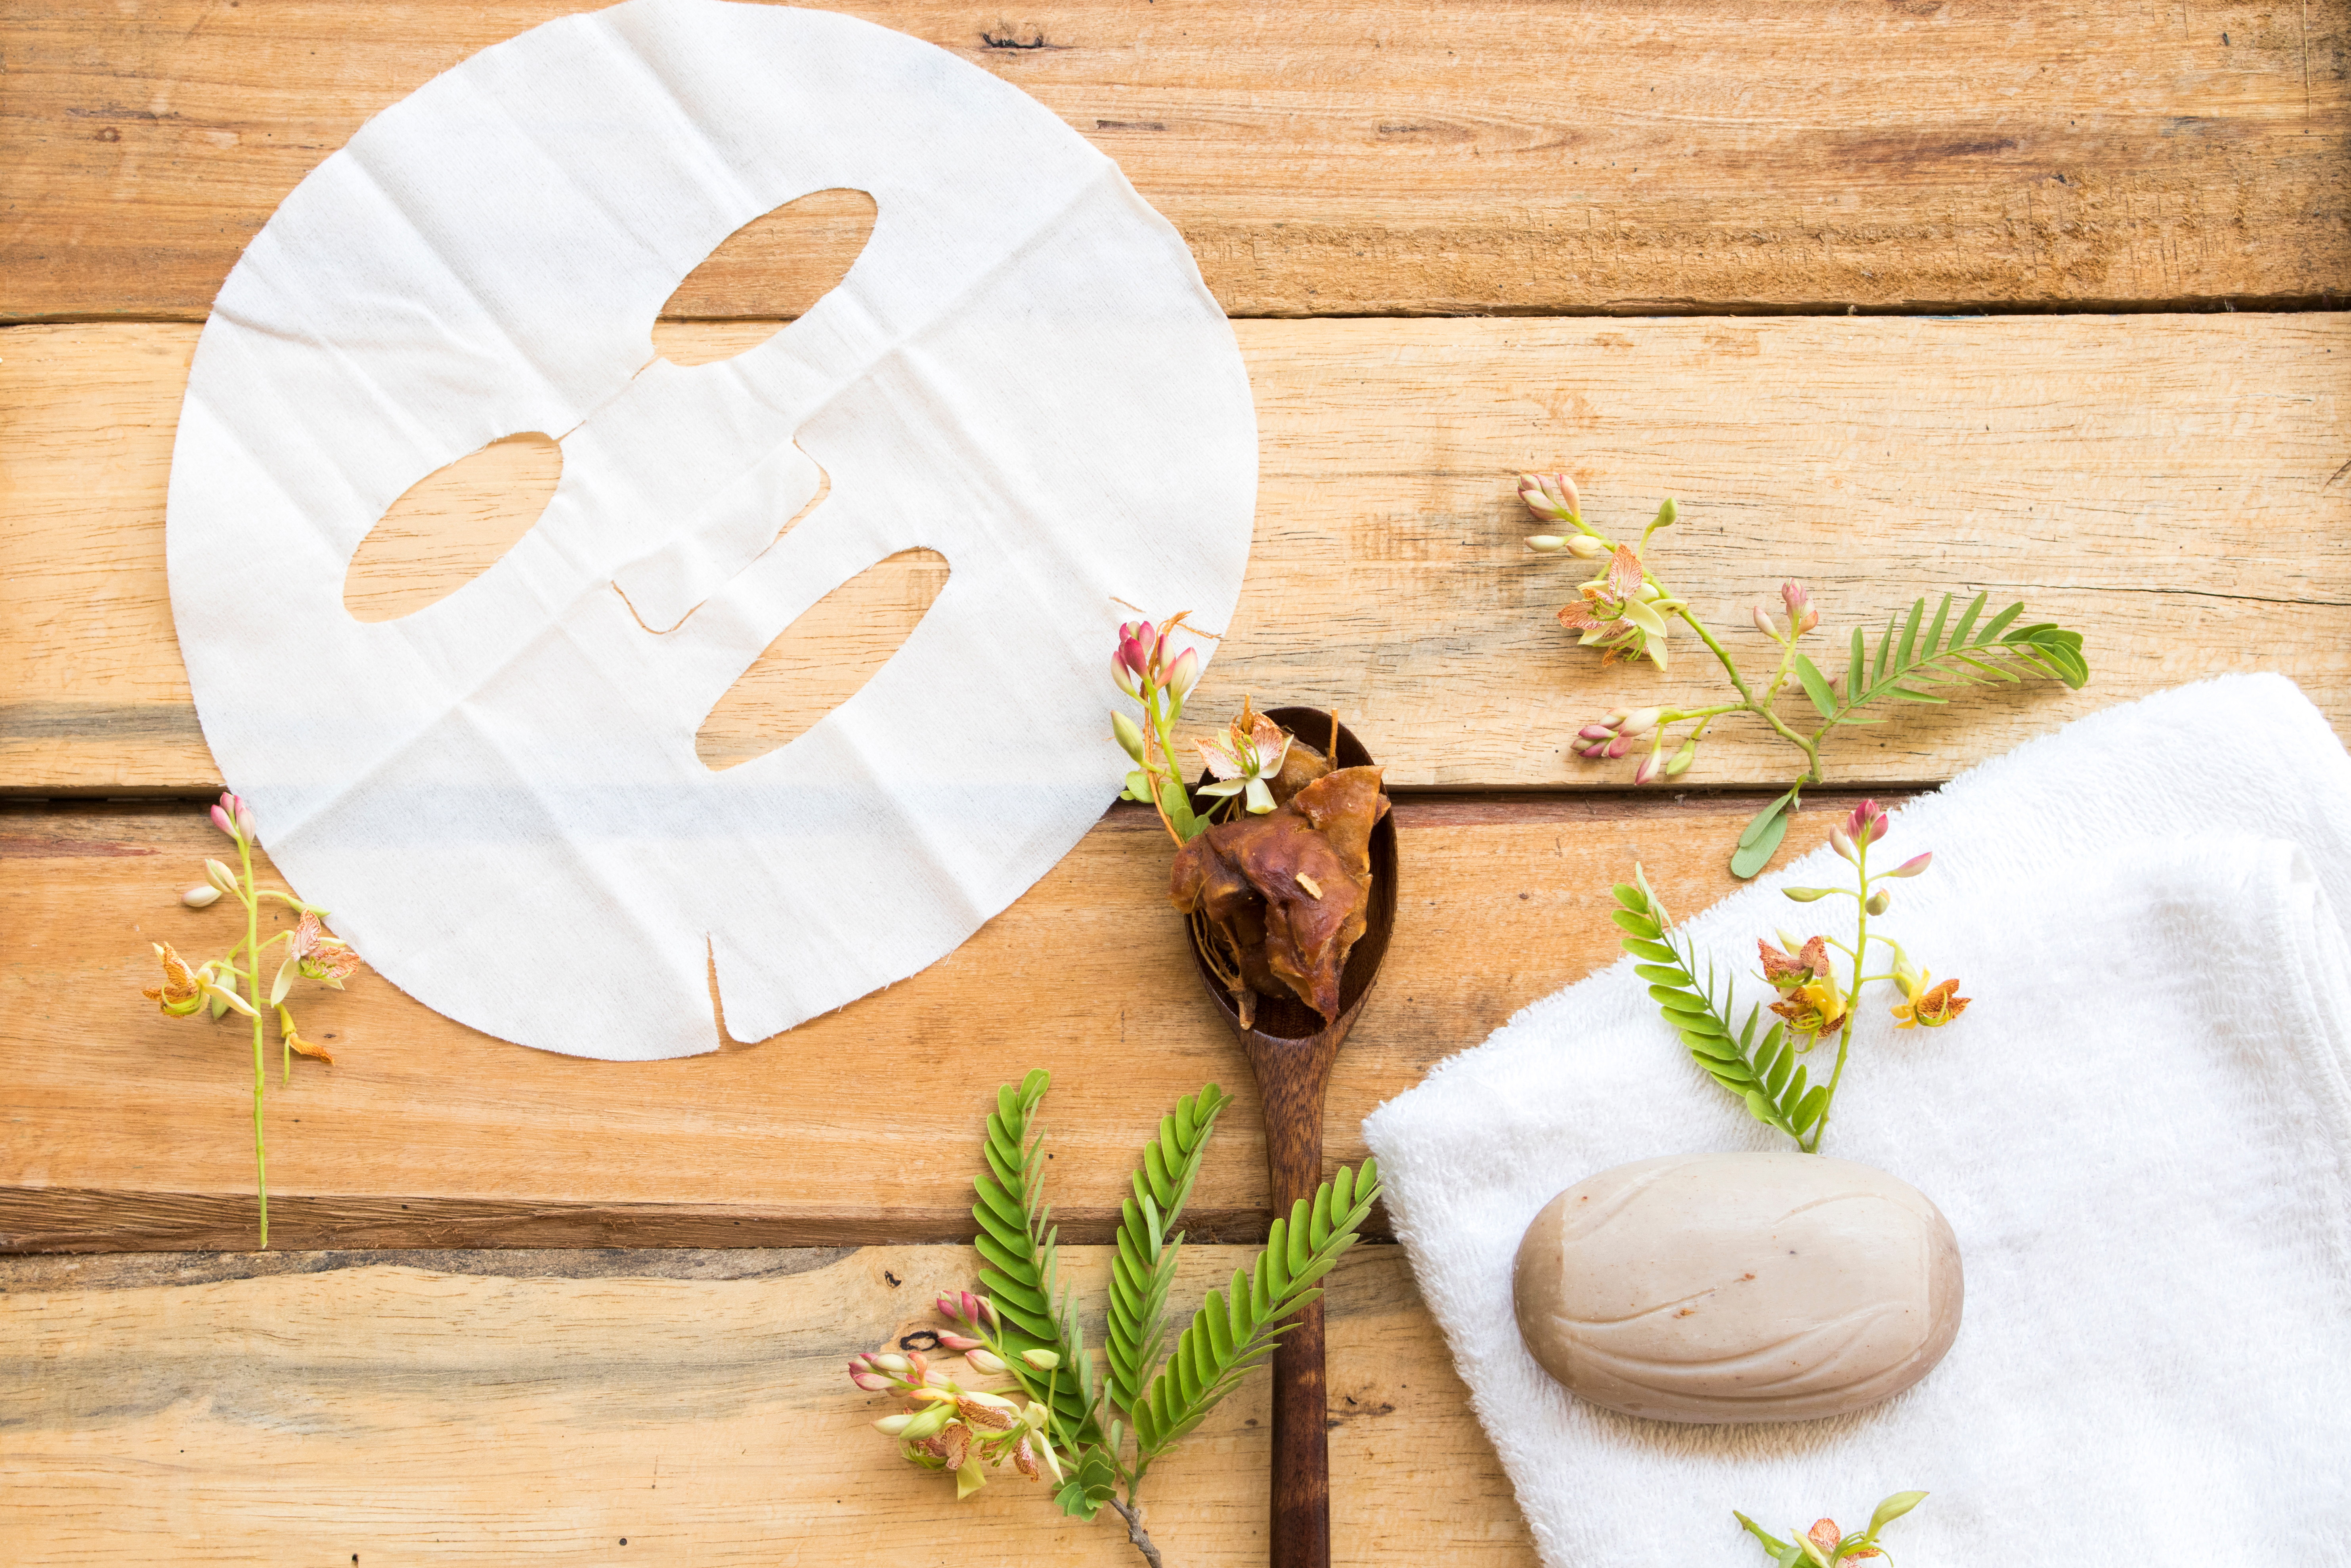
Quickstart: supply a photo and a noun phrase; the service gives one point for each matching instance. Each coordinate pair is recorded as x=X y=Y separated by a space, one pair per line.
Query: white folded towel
x=2140 y=1131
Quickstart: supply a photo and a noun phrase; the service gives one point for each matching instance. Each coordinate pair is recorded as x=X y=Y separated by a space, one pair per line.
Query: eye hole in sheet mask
x=822 y=659
x=775 y=268
x=799 y=674
x=451 y=527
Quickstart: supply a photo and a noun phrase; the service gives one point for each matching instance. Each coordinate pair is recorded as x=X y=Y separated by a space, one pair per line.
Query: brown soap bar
x=1738 y=1286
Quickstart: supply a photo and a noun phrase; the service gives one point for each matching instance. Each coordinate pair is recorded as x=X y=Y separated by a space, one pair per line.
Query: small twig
x=1136 y=1533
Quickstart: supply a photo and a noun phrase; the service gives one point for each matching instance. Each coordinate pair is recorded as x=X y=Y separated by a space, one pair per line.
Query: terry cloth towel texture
x=2140 y=1131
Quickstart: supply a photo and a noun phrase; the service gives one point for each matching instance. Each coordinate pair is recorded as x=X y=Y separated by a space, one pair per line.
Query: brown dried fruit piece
x=1289 y=890
x=1301 y=766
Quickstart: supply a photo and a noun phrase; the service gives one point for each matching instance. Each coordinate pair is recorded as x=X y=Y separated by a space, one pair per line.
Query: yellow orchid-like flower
x=185 y=990
x=1809 y=999
x=1931 y=1005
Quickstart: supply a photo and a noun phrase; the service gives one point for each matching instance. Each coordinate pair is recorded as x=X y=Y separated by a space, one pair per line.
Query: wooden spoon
x=1290 y=1049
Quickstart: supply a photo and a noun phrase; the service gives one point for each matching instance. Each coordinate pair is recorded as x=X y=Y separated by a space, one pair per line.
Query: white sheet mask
x=498 y=794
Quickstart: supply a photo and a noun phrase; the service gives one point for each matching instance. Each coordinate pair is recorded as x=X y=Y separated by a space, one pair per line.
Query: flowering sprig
x=1098 y=1430
x=957 y=1425
x=1159 y=682
x=1824 y=1546
x=1626 y=612
x=1770 y=1074
x=312 y=952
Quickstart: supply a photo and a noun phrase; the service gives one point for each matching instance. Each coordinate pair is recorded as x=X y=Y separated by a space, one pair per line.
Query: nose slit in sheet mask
x=723 y=705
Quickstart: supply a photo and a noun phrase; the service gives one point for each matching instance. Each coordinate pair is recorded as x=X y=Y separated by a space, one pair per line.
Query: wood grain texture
x=1365 y=158
x=486 y=1407
x=130 y=1131
x=2174 y=487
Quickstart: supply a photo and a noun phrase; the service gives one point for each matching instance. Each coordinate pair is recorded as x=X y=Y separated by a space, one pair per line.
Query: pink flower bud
x=983 y=1362
x=1914 y=865
x=1839 y=841
x=1765 y=625
x=1802 y=616
x=1185 y=672
x=959 y=1341
x=1616 y=717
x=1619 y=747
x=1137 y=648
x=1123 y=676
x=1651 y=765
x=1640 y=721
x=233 y=809
x=1596 y=751
x=1867 y=824
x=1550 y=497
x=1595 y=732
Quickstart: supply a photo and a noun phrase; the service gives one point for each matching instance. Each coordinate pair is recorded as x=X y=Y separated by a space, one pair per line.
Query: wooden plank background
x=1473 y=157
x=2171 y=484
x=2173 y=479
x=480 y=1407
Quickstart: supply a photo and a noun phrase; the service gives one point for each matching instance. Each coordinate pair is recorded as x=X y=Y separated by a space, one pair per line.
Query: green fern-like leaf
x=1914 y=655
x=1144 y=1266
x=1020 y=1259
x=1236 y=1328
x=1764 y=1075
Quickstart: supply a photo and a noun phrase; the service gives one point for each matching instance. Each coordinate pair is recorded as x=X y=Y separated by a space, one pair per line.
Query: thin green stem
x=1762 y=709
x=253 y=994
x=1852 y=1001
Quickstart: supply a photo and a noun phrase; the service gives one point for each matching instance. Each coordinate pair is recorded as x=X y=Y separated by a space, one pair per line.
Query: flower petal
x=1221 y=763
x=1625 y=574
x=1646 y=617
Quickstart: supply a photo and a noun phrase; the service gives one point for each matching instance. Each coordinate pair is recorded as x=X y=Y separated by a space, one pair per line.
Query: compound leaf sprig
x=1626 y=612
x=1098 y=1433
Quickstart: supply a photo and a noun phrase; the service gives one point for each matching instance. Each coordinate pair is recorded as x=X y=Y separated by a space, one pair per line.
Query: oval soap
x=1745 y=1287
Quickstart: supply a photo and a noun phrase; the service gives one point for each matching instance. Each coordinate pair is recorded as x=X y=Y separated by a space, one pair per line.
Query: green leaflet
x=1144 y=1268
x=1816 y=686
x=1761 y=841
x=1236 y=1327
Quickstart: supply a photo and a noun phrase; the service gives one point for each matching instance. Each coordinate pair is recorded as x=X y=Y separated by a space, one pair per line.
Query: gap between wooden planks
x=131 y=1130
x=1368 y=158
x=475 y=1407
x=2172 y=486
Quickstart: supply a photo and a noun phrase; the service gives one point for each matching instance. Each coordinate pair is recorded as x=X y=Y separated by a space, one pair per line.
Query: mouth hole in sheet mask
x=451 y=527
x=822 y=660
x=771 y=270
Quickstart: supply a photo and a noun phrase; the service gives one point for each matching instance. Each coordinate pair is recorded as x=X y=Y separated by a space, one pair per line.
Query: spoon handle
x=1291 y=1083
